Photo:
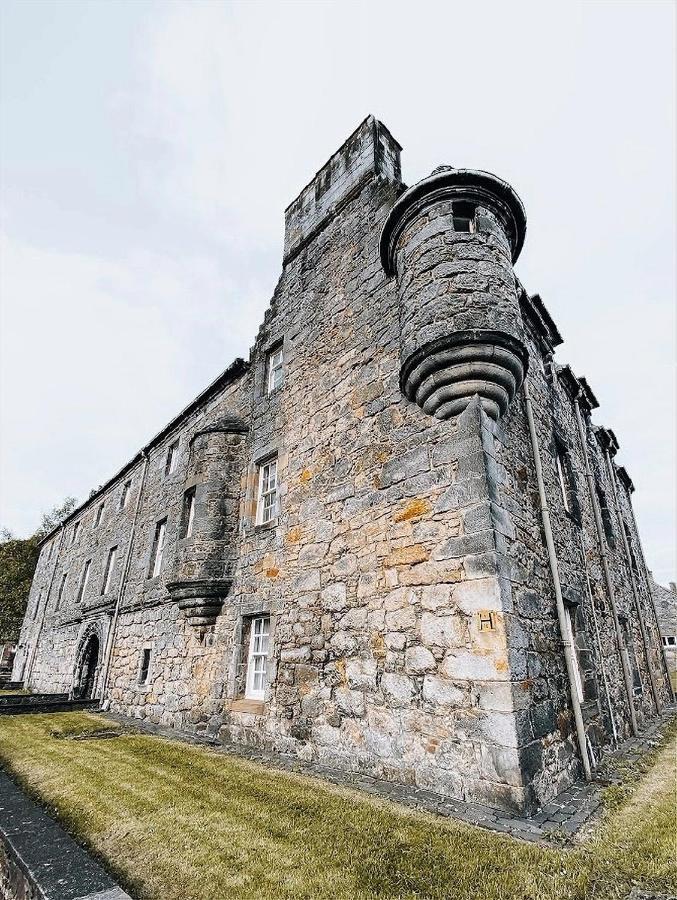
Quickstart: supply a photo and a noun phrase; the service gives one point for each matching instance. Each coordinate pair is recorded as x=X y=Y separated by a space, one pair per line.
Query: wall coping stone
x=53 y=864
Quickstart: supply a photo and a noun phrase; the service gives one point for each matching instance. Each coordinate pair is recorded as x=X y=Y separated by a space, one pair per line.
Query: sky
x=148 y=150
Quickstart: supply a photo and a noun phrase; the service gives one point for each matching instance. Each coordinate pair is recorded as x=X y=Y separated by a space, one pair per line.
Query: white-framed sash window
x=275 y=369
x=266 y=510
x=257 y=660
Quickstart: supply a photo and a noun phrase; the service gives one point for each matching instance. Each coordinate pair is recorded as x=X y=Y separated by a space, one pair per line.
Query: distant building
x=665 y=601
x=392 y=541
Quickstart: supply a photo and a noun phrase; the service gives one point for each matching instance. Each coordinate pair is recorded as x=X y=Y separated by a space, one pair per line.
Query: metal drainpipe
x=627 y=678
x=652 y=606
x=29 y=668
x=633 y=582
x=123 y=583
x=599 y=644
x=561 y=612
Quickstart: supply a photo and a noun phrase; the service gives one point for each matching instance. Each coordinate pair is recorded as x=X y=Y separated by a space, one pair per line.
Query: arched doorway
x=89 y=663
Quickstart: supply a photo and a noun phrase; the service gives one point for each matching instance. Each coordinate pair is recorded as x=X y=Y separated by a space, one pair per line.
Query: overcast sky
x=149 y=149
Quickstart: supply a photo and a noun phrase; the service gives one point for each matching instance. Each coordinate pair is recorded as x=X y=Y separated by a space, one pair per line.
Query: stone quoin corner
x=393 y=540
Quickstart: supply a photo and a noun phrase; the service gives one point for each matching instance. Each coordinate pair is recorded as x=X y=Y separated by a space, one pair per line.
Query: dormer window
x=274 y=369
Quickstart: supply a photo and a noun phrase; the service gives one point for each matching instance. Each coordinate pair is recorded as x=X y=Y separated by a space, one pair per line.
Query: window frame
x=274 y=369
x=158 y=548
x=188 y=513
x=98 y=515
x=145 y=662
x=578 y=674
x=257 y=652
x=124 y=494
x=172 y=458
x=111 y=561
x=62 y=589
x=84 y=581
x=562 y=480
x=75 y=532
x=262 y=495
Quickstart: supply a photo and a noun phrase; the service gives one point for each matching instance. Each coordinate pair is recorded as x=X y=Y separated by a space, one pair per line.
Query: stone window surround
x=260 y=457
x=235 y=687
x=144 y=686
x=157 y=549
x=271 y=352
x=187 y=521
x=125 y=493
x=562 y=460
x=192 y=483
x=111 y=562
x=62 y=590
x=251 y=692
x=172 y=458
x=84 y=580
x=98 y=515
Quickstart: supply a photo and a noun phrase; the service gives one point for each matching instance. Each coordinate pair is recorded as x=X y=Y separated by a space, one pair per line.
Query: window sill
x=243 y=705
x=266 y=526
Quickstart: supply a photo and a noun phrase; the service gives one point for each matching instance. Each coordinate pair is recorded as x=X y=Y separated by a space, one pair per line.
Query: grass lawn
x=177 y=822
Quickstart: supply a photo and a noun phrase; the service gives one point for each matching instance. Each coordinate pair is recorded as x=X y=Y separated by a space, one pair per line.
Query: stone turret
x=206 y=556
x=451 y=241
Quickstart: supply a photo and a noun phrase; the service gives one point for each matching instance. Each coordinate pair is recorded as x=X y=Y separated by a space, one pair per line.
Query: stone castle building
x=392 y=540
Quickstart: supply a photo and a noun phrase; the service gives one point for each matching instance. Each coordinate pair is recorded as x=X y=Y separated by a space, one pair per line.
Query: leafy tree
x=18 y=559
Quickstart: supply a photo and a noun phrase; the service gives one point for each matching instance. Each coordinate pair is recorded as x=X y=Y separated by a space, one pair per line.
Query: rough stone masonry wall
x=148 y=615
x=545 y=723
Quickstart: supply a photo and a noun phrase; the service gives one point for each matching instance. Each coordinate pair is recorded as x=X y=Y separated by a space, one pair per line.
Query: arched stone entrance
x=88 y=664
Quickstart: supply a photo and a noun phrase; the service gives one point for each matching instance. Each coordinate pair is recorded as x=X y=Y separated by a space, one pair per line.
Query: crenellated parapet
x=451 y=241
x=209 y=520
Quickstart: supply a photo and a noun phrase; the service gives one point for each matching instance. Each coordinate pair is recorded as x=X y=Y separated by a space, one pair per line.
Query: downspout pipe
x=110 y=642
x=599 y=528
x=34 y=649
x=565 y=631
x=633 y=580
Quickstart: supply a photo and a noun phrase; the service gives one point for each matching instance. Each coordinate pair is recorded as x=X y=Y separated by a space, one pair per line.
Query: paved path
x=559 y=820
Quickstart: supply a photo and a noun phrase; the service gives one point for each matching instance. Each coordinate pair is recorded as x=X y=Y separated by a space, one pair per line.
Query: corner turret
x=450 y=241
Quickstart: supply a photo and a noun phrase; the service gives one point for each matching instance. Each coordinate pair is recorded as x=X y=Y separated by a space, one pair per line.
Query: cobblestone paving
x=557 y=821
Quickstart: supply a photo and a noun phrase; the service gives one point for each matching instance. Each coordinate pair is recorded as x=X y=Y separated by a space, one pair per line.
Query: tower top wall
x=370 y=150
